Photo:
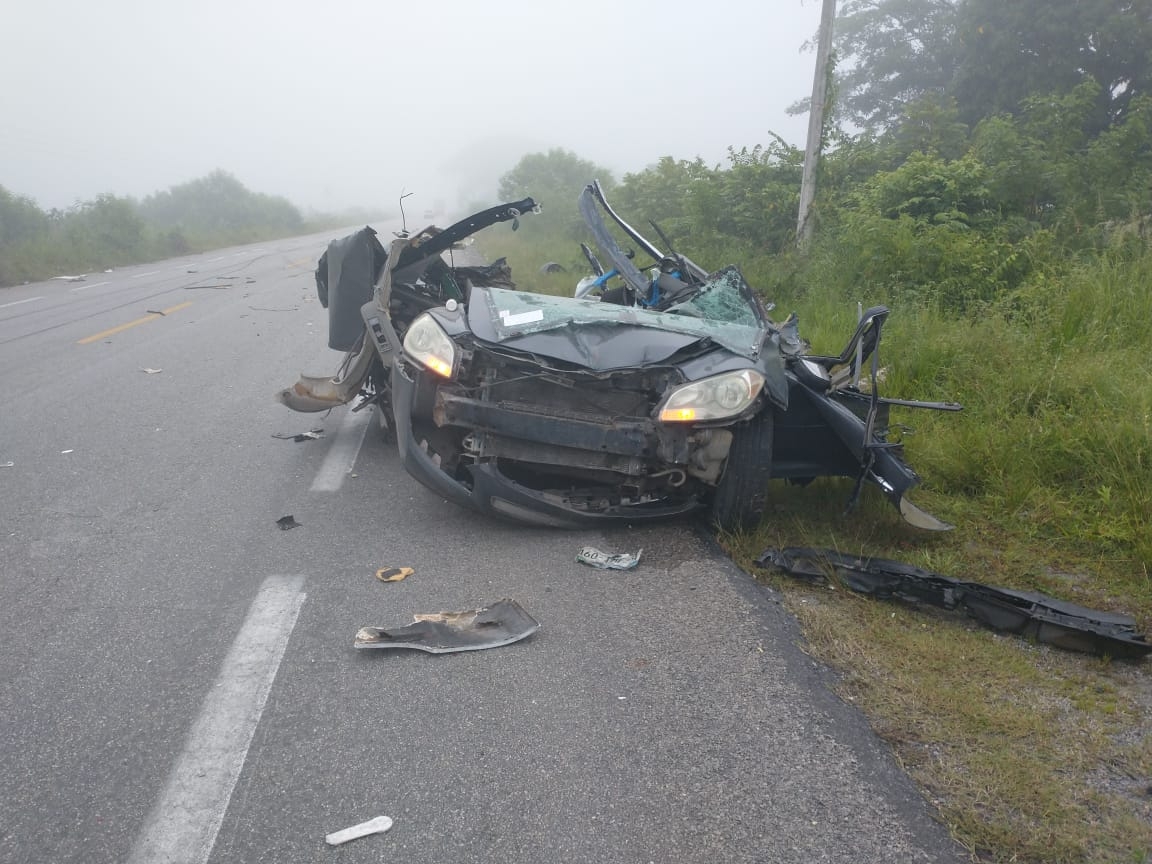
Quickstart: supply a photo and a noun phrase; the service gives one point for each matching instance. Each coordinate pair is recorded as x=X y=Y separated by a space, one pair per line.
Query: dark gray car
x=670 y=393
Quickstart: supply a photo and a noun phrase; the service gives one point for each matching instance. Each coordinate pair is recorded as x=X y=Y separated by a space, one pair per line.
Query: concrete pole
x=815 y=123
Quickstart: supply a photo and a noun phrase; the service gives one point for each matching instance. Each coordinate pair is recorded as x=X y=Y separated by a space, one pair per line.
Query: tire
x=742 y=494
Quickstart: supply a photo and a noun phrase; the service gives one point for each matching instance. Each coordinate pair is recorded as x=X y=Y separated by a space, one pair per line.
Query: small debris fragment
x=197 y=287
x=287 y=523
x=151 y=371
x=62 y=452
x=80 y=278
x=394 y=574
x=155 y=312
x=7 y=464
x=603 y=561
x=373 y=826
x=492 y=626
x=299 y=436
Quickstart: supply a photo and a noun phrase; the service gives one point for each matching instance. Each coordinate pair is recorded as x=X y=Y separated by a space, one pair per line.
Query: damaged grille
x=630 y=393
x=603 y=422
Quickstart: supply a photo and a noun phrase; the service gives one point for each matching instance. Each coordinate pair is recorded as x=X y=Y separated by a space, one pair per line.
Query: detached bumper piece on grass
x=1024 y=613
x=492 y=626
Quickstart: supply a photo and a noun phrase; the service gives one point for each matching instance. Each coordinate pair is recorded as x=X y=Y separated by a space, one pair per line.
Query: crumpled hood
x=598 y=335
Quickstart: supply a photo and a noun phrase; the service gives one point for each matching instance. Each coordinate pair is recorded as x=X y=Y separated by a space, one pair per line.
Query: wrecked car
x=671 y=392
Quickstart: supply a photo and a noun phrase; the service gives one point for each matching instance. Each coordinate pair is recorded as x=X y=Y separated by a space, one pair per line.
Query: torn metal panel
x=1024 y=613
x=310 y=395
x=593 y=557
x=492 y=626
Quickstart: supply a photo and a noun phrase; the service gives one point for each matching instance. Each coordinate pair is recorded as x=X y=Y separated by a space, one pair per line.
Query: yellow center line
x=151 y=316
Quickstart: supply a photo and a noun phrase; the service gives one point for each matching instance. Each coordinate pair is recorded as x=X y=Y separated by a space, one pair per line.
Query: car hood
x=600 y=335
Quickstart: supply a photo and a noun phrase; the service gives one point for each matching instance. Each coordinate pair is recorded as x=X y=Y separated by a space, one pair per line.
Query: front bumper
x=493 y=492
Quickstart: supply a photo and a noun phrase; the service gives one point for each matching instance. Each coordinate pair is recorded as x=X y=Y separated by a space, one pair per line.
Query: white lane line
x=142 y=275
x=345 y=449
x=182 y=827
x=18 y=302
x=86 y=287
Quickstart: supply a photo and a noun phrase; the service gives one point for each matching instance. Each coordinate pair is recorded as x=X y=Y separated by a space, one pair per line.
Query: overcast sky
x=346 y=102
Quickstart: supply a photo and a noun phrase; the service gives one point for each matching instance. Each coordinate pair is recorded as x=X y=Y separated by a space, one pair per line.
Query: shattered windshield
x=719 y=312
x=724 y=297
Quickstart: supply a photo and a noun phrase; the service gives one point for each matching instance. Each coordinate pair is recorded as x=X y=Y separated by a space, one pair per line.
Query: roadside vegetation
x=999 y=200
x=111 y=231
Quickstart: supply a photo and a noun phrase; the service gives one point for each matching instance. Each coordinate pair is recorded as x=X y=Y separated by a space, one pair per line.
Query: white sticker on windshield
x=509 y=320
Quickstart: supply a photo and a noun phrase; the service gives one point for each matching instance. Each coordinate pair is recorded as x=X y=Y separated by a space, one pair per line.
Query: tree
x=20 y=219
x=989 y=55
x=217 y=207
x=554 y=178
x=891 y=53
x=1014 y=50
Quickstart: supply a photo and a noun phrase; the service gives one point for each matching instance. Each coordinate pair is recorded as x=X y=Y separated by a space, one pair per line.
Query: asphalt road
x=178 y=681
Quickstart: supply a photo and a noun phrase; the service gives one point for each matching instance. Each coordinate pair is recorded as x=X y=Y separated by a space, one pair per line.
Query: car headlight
x=715 y=398
x=427 y=344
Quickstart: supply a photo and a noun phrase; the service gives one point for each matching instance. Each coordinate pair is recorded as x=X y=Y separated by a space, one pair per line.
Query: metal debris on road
x=82 y=277
x=394 y=574
x=313 y=435
x=148 y=371
x=492 y=626
x=1024 y=613
x=373 y=826
x=287 y=523
x=603 y=561
x=7 y=464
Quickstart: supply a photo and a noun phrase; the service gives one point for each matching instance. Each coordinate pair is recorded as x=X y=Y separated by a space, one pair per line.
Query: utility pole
x=815 y=123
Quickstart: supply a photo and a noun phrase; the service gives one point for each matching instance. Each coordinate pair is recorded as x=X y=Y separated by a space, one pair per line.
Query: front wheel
x=742 y=493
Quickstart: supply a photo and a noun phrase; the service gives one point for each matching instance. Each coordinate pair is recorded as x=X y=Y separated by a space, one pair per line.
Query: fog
x=345 y=103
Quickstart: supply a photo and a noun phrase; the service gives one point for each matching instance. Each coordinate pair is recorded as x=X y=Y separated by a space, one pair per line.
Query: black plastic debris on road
x=1024 y=613
x=492 y=626
x=287 y=523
